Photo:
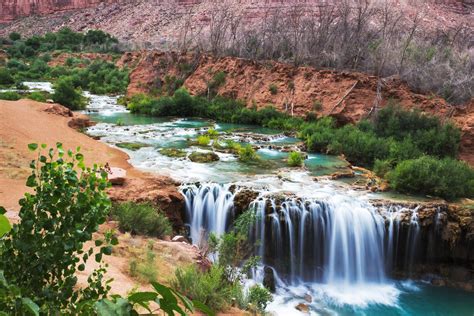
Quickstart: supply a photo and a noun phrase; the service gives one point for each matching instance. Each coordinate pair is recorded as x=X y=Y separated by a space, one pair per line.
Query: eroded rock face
x=10 y=10
x=161 y=191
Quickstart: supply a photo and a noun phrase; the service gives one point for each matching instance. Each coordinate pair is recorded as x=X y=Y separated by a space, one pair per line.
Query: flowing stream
x=320 y=238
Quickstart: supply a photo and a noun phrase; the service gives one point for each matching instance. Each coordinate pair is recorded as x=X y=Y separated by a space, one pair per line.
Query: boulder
x=203 y=157
x=116 y=176
x=269 y=279
x=302 y=307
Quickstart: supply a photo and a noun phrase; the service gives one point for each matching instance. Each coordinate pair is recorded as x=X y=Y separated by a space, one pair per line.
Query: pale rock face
x=13 y=9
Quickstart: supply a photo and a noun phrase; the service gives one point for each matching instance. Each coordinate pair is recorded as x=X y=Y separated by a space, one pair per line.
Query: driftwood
x=344 y=97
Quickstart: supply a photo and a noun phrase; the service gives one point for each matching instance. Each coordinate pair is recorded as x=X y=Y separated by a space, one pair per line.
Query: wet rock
x=179 y=239
x=203 y=157
x=342 y=174
x=302 y=307
x=173 y=152
x=131 y=146
x=80 y=122
x=308 y=298
x=269 y=279
x=243 y=199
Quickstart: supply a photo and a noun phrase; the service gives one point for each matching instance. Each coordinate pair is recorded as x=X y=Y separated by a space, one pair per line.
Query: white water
x=331 y=247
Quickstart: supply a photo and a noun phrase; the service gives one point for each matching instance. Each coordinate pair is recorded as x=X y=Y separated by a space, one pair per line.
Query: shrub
x=37 y=96
x=259 y=297
x=273 y=89
x=446 y=178
x=217 y=80
x=212 y=133
x=317 y=105
x=382 y=167
x=295 y=159
x=248 y=154
x=203 y=140
x=6 y=77
x=141 y=218
x=210 y=288
x=66 y=94
x=14 y=36
x=10 y=95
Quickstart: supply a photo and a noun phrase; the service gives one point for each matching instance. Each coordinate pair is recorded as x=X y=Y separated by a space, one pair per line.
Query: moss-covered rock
x=173 y=152
x=203 y=157
x=131 y=146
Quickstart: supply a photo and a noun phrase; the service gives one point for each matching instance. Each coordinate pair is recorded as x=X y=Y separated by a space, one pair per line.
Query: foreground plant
x=40 y=256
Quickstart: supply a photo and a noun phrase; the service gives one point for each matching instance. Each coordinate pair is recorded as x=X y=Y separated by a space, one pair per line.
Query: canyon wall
x=14 y=9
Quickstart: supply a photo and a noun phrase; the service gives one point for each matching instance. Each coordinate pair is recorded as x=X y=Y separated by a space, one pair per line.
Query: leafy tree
x=66 y=94
x=295 y=159
x=6 y=77
x=41 y=254
x=14 y=36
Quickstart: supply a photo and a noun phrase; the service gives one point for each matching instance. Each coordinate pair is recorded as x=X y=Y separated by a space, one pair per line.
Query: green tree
x=14 y=36
x=5 y=77
x=66 y=94
x=41 y=254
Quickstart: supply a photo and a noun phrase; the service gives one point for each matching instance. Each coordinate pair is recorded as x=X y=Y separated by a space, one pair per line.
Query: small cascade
x=209 y=208
x=337 y=239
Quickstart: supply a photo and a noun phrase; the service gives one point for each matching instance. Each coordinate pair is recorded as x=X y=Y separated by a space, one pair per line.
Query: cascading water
x=339 y=241
x=209 y=208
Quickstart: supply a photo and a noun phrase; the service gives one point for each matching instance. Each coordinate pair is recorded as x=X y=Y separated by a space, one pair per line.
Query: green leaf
x=2 y=210
x=98 y=242
x=98 y=257
x=32 y=146
x=81 y=267
x=107 y=250
x=43 y=146
x=142 y=297
x=165 y=292
x=186 y=301
x=120 y=307
x=30 y=306
x=5 y=226
x=203 y=308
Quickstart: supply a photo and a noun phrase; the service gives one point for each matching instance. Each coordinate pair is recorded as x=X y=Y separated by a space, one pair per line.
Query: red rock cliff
x=13 y=9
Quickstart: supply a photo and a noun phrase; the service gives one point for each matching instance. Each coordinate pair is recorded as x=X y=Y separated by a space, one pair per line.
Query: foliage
x=141 y=218
x=295 y=159
x=248 y=154
x=259 y=297
x=446 y=178
x=217 y=81
x=40 y=255
x=210 y=287
x=14 y=36
x=10 y=95
x=66 y=94
x=273 y=89
x=37 y=96
x=203 y=140
x=6 y=77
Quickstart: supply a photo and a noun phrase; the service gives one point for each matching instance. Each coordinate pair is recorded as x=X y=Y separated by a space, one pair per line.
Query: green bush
x=259 y=297
x=446 y=178
x=248 y=154
x=6 y=77
x=203 y=140
x=37 y=96
x=10 y=95
x=66 y=94
x=14 y=36
x=273 y=89
x=295 y=159
x=141 y=218
x=210 y=288
x=382 y=167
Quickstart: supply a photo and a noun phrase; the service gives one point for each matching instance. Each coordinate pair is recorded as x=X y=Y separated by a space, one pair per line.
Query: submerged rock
x=203 y=157
x=131 y=146
x=302 y=307
x=269 y=279
x=173 y=152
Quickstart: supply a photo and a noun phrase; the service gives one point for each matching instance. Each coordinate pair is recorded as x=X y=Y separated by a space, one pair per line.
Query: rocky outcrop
x=14 y=9
x=161 y=191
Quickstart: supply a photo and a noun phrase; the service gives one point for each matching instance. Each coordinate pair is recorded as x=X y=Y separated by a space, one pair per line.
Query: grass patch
x=131 y=146
x=173 y=152
x=142 y=219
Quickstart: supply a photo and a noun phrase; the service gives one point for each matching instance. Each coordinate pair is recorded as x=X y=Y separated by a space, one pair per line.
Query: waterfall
x=338 y=239
x=209 y=208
